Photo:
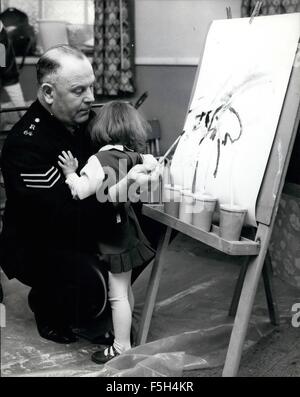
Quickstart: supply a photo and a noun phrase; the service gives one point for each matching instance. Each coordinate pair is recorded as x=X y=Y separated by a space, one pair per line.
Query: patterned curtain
x=271 y=7
x=113 y=60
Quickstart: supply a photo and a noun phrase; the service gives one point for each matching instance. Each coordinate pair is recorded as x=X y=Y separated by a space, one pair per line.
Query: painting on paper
x=235 y=108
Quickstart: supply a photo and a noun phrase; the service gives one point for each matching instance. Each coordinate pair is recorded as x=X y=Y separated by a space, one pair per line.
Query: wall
x=169 y=89
x=284 y=245
x=174 y=31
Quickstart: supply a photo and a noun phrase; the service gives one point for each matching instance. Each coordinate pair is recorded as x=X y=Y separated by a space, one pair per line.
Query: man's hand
x=149 y=161
x=68 y=163
x=143 y=175
x=139 y=174
x=138 y=180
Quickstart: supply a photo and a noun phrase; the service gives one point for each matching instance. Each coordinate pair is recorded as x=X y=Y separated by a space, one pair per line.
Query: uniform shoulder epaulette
x=32 y=127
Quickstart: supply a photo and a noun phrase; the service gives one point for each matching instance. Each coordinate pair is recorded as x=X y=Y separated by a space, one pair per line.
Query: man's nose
x=89 y=97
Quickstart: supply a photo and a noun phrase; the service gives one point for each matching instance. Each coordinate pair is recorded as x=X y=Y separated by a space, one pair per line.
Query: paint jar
x=204 y=207
x=171 y=199
x=231 y=221
x=186 y=206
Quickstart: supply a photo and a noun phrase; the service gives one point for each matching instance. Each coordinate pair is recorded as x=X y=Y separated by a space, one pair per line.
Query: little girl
x=120 y=132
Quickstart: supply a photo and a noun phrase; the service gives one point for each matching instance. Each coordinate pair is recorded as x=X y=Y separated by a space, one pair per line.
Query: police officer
x=48 y=238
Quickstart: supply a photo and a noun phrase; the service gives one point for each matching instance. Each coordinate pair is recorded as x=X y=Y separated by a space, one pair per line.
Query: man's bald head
x=51 y=61
x=66 y=84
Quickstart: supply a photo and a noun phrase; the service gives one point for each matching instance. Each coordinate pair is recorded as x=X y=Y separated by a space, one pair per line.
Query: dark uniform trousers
x=48 y=238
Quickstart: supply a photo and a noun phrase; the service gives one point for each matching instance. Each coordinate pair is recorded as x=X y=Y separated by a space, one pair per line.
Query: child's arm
x=91 y=175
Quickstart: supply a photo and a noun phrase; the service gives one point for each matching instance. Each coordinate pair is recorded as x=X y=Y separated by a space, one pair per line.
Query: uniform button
x=37 y=120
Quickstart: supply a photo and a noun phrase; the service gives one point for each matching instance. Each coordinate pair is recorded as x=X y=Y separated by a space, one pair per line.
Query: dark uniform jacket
x=40 y=213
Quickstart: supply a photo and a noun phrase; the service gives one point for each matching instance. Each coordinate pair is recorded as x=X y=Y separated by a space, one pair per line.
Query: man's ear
x=47 y=91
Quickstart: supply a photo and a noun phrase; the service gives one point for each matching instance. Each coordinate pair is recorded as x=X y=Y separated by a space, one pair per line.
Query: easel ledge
x=242 y=247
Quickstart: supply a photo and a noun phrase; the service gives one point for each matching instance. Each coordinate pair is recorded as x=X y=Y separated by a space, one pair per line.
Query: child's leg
x=121 y=312
x=131 y=298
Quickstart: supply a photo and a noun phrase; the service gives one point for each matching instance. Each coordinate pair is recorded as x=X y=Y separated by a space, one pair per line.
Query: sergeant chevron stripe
x=45 y=174
x=43 y=180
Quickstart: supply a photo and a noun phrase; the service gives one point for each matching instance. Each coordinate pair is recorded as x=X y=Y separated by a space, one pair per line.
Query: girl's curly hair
x=120 y=123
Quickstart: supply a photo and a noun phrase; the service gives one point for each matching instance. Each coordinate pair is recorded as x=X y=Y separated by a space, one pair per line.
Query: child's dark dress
x=121 y=243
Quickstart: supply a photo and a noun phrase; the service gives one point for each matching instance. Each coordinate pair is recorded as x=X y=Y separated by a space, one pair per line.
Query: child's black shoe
x=102 y=356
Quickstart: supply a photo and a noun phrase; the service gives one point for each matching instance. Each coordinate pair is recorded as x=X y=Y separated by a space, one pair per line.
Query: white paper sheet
x=235 y=108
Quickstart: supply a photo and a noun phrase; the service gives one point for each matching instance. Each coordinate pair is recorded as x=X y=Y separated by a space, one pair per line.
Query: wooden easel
x=257 y=261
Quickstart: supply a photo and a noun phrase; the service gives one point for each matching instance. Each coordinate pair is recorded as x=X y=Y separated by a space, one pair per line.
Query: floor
x=276 y=355
x=189 y=330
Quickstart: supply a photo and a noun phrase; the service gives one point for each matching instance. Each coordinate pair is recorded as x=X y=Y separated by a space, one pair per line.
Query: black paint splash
x=209 y=118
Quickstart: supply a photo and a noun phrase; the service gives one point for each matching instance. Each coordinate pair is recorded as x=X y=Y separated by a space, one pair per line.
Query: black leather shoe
x=62 y=334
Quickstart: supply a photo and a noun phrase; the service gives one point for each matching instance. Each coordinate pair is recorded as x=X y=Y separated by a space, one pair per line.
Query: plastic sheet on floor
x=136 y=364
x=200 y=349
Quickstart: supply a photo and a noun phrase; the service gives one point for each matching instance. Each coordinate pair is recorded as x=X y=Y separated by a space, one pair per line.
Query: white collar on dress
x=109 y=147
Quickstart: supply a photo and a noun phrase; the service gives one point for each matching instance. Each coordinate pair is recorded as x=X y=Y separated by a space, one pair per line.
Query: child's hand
x=68 y=163
x=150 y=162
